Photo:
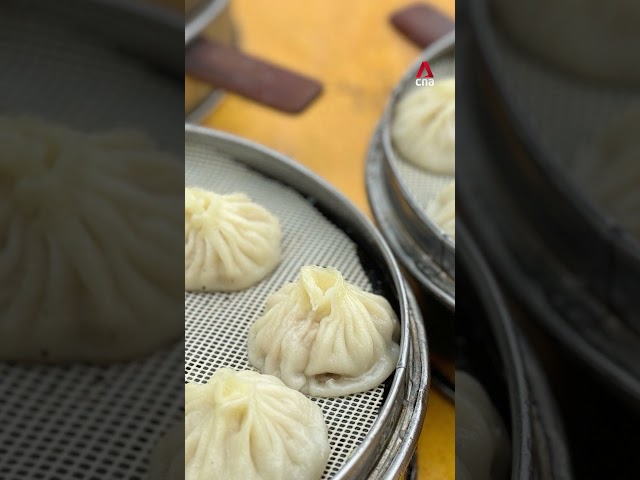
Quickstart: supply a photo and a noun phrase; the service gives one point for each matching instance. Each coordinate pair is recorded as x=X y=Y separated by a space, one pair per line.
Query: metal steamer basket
x=86 y=421
x=571 y=266
x=399 y=193
x=491 y=348
x=210 y=19
x=372 y=434
x=200 y=13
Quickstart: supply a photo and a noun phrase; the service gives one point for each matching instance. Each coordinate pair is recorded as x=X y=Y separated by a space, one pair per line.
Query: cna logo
x=424 y=77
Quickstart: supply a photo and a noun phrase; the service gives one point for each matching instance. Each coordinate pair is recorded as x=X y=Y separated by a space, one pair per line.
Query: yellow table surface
x=353 y=50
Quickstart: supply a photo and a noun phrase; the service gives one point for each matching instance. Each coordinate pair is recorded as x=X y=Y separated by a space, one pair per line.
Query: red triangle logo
x=424 y=68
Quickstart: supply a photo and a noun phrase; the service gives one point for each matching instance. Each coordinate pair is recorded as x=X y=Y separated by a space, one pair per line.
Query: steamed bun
x=89 y=227
x=230 y=242
x=324 y=337
x=443 y=209
x=482 y=446
x=250 y=426
x=423 y=127
x=608 y=170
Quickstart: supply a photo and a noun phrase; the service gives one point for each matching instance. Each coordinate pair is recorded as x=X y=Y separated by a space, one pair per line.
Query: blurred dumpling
x=89 y=227
x=250 y=426
x=594 y=39
x=423 y=127
x=230 y=242
x=325 y=337
x=608 y=170
x=483 y=449
x=442 y=209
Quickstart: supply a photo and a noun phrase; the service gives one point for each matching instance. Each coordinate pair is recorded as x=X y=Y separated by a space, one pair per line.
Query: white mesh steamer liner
x=76 y=422
x=217 y=324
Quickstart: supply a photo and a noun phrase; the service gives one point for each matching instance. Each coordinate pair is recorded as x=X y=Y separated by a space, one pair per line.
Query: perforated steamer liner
x=368 y=439
x=75 y=422
x=400 y=193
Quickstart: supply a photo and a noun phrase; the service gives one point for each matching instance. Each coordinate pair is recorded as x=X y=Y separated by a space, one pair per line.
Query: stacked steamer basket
x=211 y=19
x=372 y=434
x=400 y=195
x=74 y=421
x=490 y=343
x=570 y=266
x=491 y=348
